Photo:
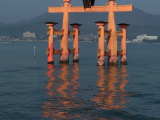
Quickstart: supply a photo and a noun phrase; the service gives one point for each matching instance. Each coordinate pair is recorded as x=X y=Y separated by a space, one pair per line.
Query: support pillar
x=64 y=58
x=123 y=43
x=50 y=42
x=101 y=46
x=112 y=40
x=75 y=42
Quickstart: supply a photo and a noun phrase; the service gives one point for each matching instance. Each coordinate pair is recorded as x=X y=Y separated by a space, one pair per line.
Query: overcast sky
x=15 y=10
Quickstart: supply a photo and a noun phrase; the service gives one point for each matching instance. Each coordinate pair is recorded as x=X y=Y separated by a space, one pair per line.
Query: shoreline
x=12 y=41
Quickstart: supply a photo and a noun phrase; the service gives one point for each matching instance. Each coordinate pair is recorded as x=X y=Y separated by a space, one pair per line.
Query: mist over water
x=29 y=89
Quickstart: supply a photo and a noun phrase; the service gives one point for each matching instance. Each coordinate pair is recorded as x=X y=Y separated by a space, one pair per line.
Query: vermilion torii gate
x=111 y=7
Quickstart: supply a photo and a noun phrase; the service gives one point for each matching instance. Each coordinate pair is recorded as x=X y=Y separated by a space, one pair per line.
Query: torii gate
x=111 y=7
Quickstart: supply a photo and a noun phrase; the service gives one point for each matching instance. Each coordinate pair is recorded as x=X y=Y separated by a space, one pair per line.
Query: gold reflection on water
x=65 y=83
x=111 y=85
x=62 y=93
x=63 y=86
x=49 y=74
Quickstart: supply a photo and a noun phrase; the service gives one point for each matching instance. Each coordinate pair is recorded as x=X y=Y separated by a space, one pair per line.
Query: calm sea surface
x=31 y=90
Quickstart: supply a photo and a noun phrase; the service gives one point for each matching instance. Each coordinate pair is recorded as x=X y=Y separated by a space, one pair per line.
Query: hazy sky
x=14 y=10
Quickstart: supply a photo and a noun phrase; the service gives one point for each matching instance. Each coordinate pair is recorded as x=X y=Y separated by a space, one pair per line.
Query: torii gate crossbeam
x=120 y=8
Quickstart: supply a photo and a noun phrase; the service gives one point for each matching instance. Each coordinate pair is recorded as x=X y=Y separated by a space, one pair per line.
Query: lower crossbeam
x=71 y=51
x=108 y=53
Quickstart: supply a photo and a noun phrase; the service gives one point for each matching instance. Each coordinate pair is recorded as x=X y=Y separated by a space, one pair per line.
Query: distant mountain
x=140 y=23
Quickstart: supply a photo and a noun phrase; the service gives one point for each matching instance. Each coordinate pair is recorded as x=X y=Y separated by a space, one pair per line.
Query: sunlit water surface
x=31 y=90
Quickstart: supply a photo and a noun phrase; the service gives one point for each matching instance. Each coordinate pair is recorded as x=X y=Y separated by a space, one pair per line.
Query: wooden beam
x=119 y=33
x=92 y=9
x=71 y=32
x=61 y=32
x=119 y=8
x=99 y=31
x=71 y=51
x=119 y=52
x=107 y=33
x=58 y=32
x=123 y=8
x=108 y=53
x=57 y=51
x=55 y=9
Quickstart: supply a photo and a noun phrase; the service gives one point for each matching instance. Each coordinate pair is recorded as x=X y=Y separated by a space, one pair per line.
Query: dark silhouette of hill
x=140 y=23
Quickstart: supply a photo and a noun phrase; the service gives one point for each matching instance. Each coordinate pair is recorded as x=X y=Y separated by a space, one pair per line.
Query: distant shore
x=12 y=41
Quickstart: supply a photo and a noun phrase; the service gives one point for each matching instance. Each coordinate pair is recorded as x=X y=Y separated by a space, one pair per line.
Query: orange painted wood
x=120 y=52
x=112 y=40
x=120 y=8
x=65 y=27
x=71 y=51
x=57 y=51
x=107 y=33
x=108 y=53
x=58 y=32
x=112 y=34
x=55 y=9
x=119 y=33
x=123 y=43
x=71 y=32
x=61 y=32
x=101 y=46
x=123 y=8
x=92 y=9
x=76 y=42
x=50 y=44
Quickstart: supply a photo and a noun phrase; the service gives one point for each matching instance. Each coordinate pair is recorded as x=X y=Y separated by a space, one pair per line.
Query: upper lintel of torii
x=116 y=8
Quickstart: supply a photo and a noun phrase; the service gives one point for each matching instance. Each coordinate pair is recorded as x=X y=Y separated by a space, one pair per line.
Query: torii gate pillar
x=101 y=46
x=112 y=39
x=75 y=42
x=50 y=42
x=64 y=58
x=123 y=43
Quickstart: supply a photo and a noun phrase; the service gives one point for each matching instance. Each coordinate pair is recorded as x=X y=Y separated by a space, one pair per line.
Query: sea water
x=31 y=90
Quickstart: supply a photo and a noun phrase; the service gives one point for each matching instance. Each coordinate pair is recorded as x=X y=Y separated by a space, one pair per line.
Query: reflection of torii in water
x=110 y=95
x=62 y=94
